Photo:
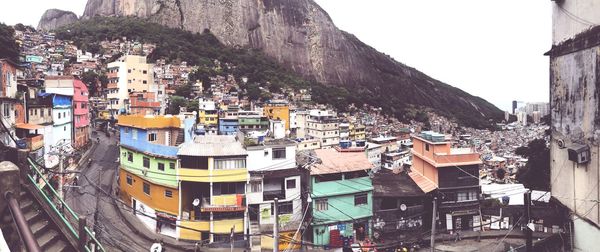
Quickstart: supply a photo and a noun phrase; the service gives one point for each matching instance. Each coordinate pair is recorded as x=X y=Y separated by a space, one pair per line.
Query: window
x=229 y=188
x=144 y=72
x=129 y=156
x=126 y=130
x=426 y=147
x=65 y=114
x=146 y=162
x=129 y=180
x=283 y=208
x=128 y=70
x=144 y=82
x=224 y=164
x=255 y=186
x=290 y=184
x=360 y=199
x=466 y=196
x=146 y=188
x=322 y=204
x=161 y=166
x=151 y=137
x=279 y=153
x=64 y=128
x=172 y=166
x=58 y=116
x=35 y=111
x=134 y=134
x=129 y=81
x=168 y=193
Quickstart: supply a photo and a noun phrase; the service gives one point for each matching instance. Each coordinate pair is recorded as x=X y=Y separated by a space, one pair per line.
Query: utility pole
x=433 y=222
x=61 y=193
x=231 y=238
x=275 y=226
x=528 y=231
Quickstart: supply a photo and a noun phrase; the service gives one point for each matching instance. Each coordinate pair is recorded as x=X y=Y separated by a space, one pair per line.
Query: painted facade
x=213 y=173
x=130 y=73
x=228 y=125
x=454 y=172
x=62 y=119
x=81 y=113
x=8 y=91
x=323 y=125
x=278 y=110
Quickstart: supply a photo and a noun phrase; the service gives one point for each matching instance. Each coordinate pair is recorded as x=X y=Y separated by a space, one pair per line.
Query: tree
x=536 y=174
x=175 y=103
x=8 y=47
x=184 y=91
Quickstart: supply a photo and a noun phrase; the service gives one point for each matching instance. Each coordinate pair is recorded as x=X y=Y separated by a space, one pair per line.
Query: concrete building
x=8 y=91
x=129 y=73
x=213 y=176
x=575 y=117
x=148 y=167
x=62 y=119
x=451 y=172
x=39 y=123
x=342 y=203
x=144 y=103
x=81 y=113
x=542 y=107
x=207 y=112
x=323 y=125
x=278 y=110
x=274 y=174
x=522 y=118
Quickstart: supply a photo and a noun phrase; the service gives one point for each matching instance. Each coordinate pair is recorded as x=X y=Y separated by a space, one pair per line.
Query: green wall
x=166 y=177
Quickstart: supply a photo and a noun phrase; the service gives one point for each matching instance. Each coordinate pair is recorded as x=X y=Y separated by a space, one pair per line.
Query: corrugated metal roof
x=212 y=146
x=333 y=161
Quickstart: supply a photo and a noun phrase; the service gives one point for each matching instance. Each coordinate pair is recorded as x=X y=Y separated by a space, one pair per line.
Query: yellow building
x=207 y=112
x=278 y=110
x=357 y=132
x=213 y=177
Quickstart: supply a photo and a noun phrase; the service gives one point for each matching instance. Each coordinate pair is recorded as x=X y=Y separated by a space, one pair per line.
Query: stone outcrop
x=54 y=18
x=302 y=36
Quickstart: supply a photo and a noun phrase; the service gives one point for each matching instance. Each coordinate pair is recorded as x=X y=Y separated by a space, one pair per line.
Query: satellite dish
x=196 y=202
x=156 y=247
x=403 y=207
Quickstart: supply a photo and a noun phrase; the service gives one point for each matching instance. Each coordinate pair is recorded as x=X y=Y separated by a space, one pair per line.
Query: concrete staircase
x=180 y=137
x=46 y=233
x=254 y=239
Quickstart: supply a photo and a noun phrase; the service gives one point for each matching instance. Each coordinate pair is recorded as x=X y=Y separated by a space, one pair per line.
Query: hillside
x=395 y=93
x=8 y=48
x=54 y=18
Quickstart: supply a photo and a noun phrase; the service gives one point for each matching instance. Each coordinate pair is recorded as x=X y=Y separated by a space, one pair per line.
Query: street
x=98 y=207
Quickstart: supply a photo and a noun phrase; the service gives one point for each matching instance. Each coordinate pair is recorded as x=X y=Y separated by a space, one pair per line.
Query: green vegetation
x=536 y=174
x=8 y=47
x=397 y=93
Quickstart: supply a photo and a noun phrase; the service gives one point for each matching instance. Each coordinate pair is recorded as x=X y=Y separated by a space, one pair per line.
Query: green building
x=341 y=193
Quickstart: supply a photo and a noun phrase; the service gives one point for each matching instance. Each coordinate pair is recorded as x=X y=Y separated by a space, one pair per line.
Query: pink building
x=81 y=114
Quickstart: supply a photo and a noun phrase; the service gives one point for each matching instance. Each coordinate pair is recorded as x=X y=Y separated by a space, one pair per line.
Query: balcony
x=272 y=194
x=112 y=86
x=224 y=203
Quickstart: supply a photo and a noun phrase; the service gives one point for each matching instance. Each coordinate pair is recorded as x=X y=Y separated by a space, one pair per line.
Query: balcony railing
x=35 y=142
x=224 y=203
x=272 y=194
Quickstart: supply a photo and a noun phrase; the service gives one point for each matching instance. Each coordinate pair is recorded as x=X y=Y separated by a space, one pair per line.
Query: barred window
x=225 y=164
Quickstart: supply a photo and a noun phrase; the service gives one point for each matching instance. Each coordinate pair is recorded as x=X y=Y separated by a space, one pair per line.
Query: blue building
x=228 y=125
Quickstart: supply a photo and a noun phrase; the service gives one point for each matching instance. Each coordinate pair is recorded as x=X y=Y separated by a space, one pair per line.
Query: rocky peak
x=54 y=18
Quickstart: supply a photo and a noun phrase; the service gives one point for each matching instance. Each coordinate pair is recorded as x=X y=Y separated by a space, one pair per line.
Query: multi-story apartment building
x=575 y=117
x=213 y=177
x=323 y=125
x=357 y=132
x=228 y=125
x=81 y=114
x=278 y=110
x=341 y=192
x=62 y=119
x=37 y=132
x=344 y=131
x=148 y=168
x=274 y=174
x=129 y=73
x=144 y=103
x=451 y=172
x=8 y=91
x=207 y=113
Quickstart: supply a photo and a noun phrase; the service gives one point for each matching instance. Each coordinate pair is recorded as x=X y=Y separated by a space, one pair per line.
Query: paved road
x=98 y=207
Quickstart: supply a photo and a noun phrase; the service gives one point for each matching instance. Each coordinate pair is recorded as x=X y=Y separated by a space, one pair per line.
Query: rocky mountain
x=54 y=18
x=302 y=36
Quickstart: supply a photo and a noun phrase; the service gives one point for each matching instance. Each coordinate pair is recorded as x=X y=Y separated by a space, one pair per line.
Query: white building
x=323 y=125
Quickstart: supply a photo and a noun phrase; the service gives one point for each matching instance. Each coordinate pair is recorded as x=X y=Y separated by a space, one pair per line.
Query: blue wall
x=227 y=127
x=142 y=144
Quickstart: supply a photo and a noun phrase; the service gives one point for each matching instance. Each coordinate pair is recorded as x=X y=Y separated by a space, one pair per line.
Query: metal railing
x=69 y=217
x=23 y=228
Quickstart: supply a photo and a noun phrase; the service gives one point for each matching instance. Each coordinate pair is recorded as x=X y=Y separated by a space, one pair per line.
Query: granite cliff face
x=302 y=36
x=54 y=18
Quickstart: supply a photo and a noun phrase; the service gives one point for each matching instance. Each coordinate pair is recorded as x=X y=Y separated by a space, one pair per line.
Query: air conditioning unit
x=579 y=153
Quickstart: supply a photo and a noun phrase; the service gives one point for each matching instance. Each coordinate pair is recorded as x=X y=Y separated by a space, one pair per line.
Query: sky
x=491 y=49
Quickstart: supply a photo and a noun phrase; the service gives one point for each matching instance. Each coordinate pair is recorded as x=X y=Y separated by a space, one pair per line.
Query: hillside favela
x=299 y=125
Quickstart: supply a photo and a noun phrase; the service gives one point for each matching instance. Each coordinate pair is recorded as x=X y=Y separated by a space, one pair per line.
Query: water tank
x=345 y=144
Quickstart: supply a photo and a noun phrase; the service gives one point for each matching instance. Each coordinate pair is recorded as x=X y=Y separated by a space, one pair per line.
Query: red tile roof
x=424 y=183
x=333 y=161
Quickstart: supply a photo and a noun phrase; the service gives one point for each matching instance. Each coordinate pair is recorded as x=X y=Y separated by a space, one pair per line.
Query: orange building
x=452 y=174
x=278 y=110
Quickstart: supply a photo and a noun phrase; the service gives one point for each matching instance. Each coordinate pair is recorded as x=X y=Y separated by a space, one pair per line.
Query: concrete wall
x=572 y=17
x=156 y=176
x=574 y=97
x=156 y=200
x=262 y=159
x=585 y=236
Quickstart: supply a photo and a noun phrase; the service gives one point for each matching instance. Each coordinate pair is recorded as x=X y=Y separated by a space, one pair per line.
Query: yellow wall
x=278 y=113
x=152 y=122
x=224 y=200
x=156 y=200
x=197 y=175
x=187 y=234
x=208 y=119
x=224 y=226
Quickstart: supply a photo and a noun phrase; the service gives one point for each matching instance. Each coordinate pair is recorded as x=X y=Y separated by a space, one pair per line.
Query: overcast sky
x=492 y=49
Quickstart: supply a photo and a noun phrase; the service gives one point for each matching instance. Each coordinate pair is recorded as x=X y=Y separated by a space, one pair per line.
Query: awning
x=424 y=183
x=28 y=126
